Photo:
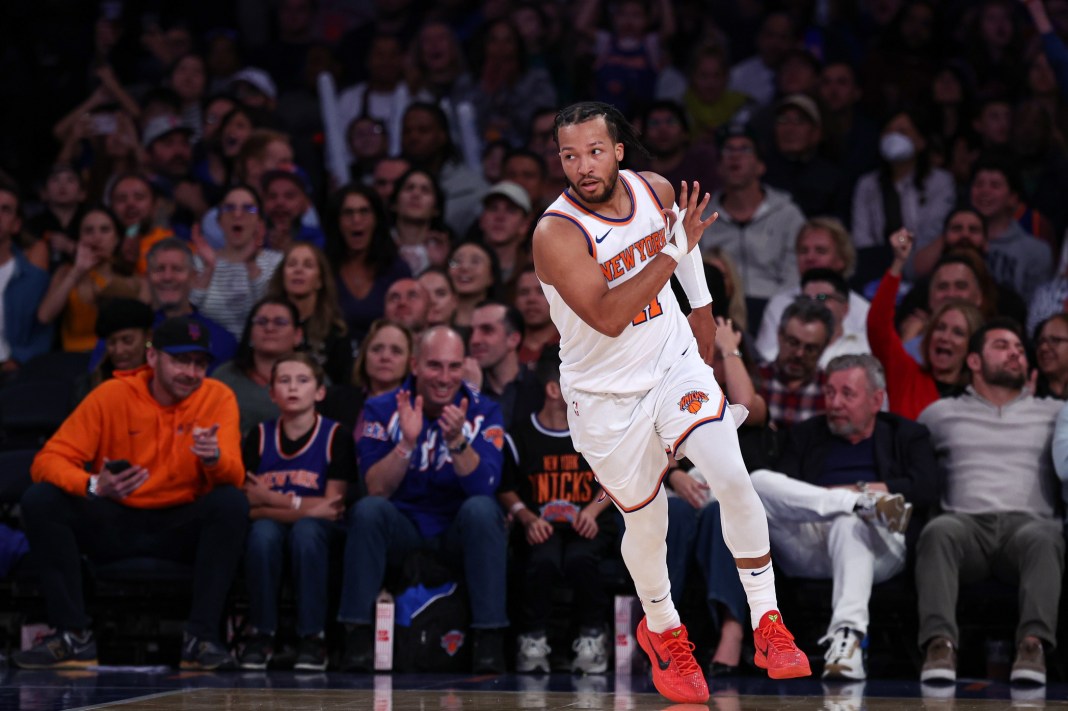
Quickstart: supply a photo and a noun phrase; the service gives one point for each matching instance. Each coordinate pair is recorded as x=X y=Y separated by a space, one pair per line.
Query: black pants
x=209 y=533
x=566 y=555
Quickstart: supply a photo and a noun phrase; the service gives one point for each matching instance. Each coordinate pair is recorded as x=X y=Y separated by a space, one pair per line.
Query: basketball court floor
x=159 y=689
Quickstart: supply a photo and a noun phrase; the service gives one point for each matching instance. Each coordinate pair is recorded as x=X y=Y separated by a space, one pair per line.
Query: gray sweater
x=996 y=459
x=763 y=248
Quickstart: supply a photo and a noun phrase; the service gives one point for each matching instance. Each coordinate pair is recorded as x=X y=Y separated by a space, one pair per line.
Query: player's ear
x=619 y=151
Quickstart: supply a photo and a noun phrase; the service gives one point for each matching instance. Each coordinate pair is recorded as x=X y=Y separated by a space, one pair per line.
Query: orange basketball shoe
x=676 y=673
x=776 y=651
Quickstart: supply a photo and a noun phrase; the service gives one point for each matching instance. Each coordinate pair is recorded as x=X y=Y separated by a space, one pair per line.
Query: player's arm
x=562 y=259
x=691 y=275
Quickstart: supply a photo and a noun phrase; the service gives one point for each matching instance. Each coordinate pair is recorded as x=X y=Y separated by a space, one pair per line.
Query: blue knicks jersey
x=302 y=473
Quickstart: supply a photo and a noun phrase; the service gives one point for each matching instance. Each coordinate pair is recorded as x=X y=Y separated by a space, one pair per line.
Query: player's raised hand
x=694 y=205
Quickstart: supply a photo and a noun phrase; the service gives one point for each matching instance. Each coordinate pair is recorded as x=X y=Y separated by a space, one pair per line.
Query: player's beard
x=603 y=196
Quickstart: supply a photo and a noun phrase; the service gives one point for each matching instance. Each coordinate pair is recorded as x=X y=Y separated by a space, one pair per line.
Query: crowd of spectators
x=358 y=181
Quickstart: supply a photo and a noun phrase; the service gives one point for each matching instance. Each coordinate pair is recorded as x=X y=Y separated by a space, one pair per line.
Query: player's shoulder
x=660 y=185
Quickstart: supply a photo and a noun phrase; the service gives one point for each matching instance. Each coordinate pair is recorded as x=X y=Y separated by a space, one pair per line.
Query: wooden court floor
x=282 y=691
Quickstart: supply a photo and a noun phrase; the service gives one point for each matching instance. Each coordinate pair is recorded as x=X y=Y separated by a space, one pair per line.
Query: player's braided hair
x=621 y=130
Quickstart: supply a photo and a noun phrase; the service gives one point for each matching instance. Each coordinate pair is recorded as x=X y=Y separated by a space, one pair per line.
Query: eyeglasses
x=811 y=350
x=231 y=209
x=1050 y=341
x=277 y=322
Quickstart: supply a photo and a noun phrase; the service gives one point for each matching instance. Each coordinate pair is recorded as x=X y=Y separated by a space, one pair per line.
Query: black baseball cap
x=181 y=334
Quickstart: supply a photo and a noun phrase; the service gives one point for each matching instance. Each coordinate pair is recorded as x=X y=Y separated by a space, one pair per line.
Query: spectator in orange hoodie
x=149 y=464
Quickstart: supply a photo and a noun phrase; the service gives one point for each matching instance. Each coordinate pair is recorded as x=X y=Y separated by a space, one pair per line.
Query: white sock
x=644 y=551
x=759 y=590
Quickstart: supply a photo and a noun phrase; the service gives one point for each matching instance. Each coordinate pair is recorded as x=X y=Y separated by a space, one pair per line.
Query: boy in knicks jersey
x=298 y=469
x=637 y=381
x=552 y=495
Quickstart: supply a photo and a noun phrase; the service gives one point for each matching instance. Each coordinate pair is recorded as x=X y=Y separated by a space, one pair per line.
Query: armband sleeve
x=691 y=270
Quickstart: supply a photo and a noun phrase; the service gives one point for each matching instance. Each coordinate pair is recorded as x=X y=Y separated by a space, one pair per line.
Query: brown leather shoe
x=941 y=661
x=1030 y=664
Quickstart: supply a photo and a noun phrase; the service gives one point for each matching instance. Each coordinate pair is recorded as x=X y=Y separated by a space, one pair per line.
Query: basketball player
x=637 y=382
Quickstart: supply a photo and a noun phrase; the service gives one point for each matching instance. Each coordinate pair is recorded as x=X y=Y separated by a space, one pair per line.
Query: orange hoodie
x=121 y=420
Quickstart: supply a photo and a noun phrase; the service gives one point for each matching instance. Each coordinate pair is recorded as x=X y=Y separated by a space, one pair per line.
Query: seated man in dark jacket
x=841 y=505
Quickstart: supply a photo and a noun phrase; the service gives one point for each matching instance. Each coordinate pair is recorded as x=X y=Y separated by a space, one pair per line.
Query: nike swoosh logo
x=762 y=571
x=661 y=599
x=660 y=662
x=602 y=237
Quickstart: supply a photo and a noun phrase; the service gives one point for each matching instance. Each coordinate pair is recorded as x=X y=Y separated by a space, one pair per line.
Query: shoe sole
x=61 y=665
x=1028 y=676
x=944 y=675
x=596 y=669
x=306 y=666
x=647 y=648
x=540 y=668
x=760 y=659
x=247 y=666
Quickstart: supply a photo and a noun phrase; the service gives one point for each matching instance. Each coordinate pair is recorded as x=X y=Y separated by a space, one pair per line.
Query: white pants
x=815 y=534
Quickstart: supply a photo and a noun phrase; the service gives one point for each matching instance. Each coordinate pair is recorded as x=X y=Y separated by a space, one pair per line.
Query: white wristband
x=516 y=508
x=297 y=502
x=674 y=251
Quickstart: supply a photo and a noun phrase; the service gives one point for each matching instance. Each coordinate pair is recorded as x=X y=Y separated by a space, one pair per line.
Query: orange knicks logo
x=495 y=436
x=691 y=402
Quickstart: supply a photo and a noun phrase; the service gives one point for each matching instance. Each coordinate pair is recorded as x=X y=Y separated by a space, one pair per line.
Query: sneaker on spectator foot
x=1030 y=664
x=844 y=658
x=676 y=674
x=311 y=653
x=888 y=510
x=533 y=654
x=205 y=655
x=62 y=650
x=776 y=650
x=940 y=664
x=591 y=654
x=359 y=649
x=256 y=653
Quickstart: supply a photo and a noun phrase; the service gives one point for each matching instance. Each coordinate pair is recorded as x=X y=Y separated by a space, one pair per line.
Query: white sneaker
x=844 y=658
x=888 y=510
x=591 y=654
x=533 y=655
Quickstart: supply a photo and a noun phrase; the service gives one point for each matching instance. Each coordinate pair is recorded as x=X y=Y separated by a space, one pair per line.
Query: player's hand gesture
x=694 y=205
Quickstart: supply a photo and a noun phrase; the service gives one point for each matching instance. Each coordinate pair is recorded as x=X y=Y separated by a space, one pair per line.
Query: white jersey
x=636 y=360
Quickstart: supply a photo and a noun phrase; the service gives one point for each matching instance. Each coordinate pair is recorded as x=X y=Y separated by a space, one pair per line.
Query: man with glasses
x=828 y=287
x=792 y=384
x=149 y=464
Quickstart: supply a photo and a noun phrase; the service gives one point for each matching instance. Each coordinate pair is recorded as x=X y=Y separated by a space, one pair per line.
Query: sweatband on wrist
x=674 y=251
x=516 y=508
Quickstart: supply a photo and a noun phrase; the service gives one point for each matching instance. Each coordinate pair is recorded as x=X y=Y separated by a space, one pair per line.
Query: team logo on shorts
x=451 y=642
x=691 y=402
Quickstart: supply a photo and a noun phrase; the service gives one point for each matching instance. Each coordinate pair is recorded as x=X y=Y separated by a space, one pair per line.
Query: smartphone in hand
x=117 y=466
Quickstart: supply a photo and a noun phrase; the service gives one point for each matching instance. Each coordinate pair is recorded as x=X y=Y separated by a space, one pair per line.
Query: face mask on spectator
x=896 y=147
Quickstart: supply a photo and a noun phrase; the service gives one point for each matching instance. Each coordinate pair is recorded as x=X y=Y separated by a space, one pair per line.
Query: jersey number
x=651 y=311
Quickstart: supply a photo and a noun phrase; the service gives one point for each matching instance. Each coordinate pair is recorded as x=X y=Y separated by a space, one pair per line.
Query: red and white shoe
x=676 y=674
x=776 y=651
